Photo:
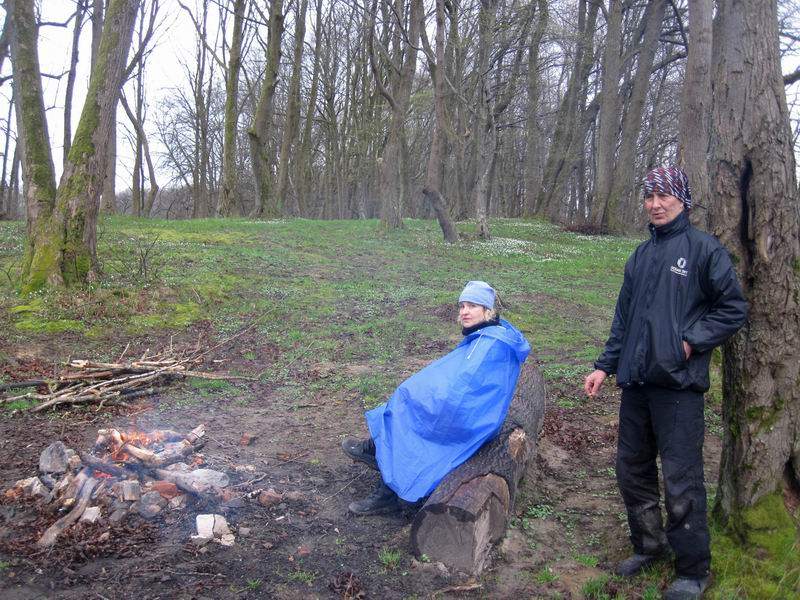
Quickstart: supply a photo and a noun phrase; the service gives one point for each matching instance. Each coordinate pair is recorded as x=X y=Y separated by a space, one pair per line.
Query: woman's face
x=471 y=314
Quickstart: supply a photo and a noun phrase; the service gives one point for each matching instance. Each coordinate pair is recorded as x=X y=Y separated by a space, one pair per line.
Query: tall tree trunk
x=610 y=106
x=435 y=173
x=559 y=158
x=259 y=133
x=694 y=125
x=109 y=193
x=80 y=8
x=303 y=168
x=485 y=138
x=62 y=245
x=755 y=214
x=152 y=192
x=533 y=134
x=392 y=177
x=38 y=172
x=290 y=130
x=13 y=185
x=5 y=185
x=227 y=190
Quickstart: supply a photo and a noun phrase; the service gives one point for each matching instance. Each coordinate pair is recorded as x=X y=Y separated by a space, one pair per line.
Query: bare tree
x=262 y=127
x=227 y=189
x=290 y=126
x=435 y=172
x=403 y=27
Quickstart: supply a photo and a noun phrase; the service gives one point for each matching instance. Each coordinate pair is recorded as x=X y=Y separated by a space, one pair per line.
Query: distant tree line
x=458 y=109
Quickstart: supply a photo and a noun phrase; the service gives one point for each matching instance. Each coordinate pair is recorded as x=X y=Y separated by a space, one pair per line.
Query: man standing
x=679 y=300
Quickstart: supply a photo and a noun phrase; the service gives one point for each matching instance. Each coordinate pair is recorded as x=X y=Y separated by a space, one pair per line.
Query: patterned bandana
x=669 y=180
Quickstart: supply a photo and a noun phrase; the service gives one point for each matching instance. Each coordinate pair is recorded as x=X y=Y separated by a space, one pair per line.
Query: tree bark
x=393 y=170
x=610 y=107
x=469 y=510
x=38 y=171
x=261 y=129
x=694 y=125
x=564 y=144
x=290 y=126
x=754 y=212
x=485 y=138
x=435 y=173
x=80 y=8
x=533 y=133
x=227 y=191
x=303 y=168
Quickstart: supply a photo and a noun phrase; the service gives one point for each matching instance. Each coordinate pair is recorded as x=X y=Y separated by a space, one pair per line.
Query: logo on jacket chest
x=679 y=268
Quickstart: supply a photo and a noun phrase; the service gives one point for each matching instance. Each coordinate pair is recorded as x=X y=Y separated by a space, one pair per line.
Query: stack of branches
x=102 y=383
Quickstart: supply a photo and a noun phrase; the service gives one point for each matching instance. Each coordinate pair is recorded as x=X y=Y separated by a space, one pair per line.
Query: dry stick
x=128 y=345
x=203 y=375
x=458 y=588
x=251 y=482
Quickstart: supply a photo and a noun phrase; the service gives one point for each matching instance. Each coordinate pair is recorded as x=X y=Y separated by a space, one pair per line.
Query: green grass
x=546 y=575
x=389 y=558
x=343 y=292
x=301 y=576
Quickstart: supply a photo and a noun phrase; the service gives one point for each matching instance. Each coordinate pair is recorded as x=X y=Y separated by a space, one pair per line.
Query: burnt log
x=469 y=510
x=82 y=501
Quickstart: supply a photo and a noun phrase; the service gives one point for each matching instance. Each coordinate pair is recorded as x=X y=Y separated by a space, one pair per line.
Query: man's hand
x=687 y=349
x=593 y=382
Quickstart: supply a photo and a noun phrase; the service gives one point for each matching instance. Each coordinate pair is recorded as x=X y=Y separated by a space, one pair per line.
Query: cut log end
x=464 y=529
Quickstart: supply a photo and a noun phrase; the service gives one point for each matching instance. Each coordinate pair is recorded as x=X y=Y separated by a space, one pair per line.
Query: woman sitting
x=439 y=417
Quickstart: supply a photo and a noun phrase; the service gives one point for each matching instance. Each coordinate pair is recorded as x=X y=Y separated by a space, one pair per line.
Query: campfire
x=126 y=472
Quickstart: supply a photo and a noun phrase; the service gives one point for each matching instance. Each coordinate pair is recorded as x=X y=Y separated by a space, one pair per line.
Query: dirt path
x=568 y=530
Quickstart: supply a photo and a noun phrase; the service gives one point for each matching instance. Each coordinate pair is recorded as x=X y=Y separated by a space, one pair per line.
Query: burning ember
x=131 y=471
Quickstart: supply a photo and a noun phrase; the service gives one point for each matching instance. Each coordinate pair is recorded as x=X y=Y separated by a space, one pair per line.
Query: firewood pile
x=127 y=472
x=101 y=383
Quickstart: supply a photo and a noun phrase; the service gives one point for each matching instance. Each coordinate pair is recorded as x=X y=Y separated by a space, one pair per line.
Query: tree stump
x=470 y=508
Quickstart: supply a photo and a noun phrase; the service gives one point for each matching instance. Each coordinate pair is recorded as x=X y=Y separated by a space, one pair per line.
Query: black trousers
x=656 y=421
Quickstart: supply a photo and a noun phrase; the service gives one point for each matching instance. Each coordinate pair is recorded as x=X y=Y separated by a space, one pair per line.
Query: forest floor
x=343 y=313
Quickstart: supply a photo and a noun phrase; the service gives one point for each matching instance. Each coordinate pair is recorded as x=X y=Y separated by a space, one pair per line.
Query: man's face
x=662 y=208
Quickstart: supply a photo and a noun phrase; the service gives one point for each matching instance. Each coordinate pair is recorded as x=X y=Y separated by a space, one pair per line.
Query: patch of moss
x=766 y=416
x=34 y=306
x=174 y=316
x=758 y=555
x=35 y=325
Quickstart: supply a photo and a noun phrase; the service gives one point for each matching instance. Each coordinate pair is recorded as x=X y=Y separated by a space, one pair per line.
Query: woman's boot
x=381 y=501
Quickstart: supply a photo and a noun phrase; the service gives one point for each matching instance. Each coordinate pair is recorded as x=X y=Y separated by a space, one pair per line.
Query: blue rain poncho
x=439 y=417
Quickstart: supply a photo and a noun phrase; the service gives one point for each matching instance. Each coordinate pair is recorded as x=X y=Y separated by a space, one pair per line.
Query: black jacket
x=679 y=285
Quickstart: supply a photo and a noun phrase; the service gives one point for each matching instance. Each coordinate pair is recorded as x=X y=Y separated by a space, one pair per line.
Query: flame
x=140 y=439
